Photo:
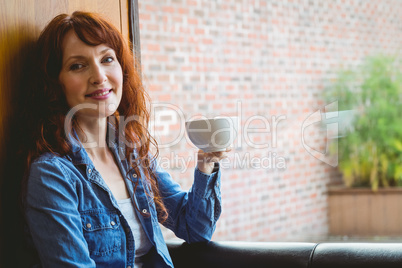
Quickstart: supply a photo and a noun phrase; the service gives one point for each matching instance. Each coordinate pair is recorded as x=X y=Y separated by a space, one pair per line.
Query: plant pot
x=362 y=212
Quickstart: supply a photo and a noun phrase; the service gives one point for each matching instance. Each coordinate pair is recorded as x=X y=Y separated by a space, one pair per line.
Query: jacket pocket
x=101 y=231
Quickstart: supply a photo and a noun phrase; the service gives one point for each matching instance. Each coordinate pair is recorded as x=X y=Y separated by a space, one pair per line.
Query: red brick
x=153 y=47
x=192 y=21
x=183 y=11
x=144 y=17
x=168 y=9
x=151 y=8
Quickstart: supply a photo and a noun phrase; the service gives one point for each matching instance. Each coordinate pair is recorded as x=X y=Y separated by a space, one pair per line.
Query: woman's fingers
x=214 y=156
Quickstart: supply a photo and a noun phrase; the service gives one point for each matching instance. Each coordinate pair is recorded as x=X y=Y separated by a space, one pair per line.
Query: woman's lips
x=100 y=94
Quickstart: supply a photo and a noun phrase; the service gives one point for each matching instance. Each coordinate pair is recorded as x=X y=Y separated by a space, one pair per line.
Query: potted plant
x=370 y=153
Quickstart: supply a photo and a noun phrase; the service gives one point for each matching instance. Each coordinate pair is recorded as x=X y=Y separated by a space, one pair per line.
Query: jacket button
x=144 y=211
x=89 y=171
x=134 y=175
x=89 y=225
x=112 y=223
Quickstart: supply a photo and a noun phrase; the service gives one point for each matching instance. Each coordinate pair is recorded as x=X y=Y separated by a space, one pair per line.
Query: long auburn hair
x=48 y=117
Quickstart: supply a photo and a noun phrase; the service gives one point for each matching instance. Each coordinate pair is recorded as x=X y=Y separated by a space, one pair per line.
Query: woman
x=95 y=195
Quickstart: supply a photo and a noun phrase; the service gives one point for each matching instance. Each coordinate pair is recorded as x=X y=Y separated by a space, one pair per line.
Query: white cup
x=212 y=135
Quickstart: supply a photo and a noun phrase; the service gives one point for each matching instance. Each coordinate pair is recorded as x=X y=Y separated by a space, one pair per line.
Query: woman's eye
x=108 y=60
x=76 y=66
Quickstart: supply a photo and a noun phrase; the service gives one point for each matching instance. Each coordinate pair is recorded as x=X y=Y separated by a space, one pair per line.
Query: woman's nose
x=98 y=75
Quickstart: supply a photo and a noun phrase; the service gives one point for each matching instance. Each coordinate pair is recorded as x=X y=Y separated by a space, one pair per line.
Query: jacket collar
x=79 y=155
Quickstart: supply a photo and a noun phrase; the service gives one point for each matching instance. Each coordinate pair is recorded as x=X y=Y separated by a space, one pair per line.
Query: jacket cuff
x=206 y=184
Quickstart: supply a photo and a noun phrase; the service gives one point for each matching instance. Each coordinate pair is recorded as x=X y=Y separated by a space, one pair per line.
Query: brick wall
x=266 y=62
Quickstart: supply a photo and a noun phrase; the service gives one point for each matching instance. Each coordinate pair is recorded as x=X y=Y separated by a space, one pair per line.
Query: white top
x=141 y=241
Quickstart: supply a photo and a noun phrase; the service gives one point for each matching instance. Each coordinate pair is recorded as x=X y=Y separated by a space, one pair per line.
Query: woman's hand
x=206 y=161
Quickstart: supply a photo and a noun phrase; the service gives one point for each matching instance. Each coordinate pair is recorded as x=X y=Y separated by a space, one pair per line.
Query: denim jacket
x=74 y=220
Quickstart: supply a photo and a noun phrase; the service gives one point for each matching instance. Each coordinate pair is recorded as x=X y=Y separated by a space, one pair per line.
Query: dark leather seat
x=348 y=255
x=286 y=254
x=240 y=254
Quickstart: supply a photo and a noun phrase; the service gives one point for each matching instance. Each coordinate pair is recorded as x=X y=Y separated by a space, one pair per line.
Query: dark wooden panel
x=21 y=21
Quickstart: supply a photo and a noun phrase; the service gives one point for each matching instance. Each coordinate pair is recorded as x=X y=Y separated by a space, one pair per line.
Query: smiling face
x=90 y=75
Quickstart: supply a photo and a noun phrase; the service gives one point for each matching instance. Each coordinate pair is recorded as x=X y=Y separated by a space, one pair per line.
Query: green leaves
x=371 y=154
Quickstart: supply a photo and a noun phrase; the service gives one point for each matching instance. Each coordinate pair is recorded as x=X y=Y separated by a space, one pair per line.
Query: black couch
x=286 y=254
